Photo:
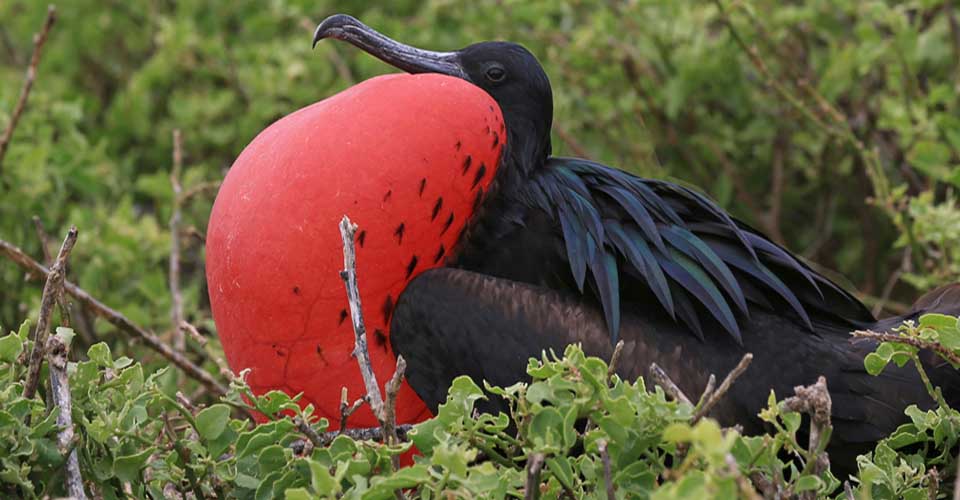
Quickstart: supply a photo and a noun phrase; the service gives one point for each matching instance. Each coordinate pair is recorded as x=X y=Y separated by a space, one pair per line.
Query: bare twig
x=848 y=491
x=615 y=359
x=956 y=482
x=912 y=341
x=197 y=337
x=531 y=490
x=746 y=489
x=661 y=378
x=361 y=434
x=197 y=190
x=716 y=396
x=44 y=239
x=347 y=409
x=117 y=319
x=390 y=406
x=51 y=290
x=38 y=41
x=176 y=309
x=65 y=319
x=607 y=470
x=60 y=387
x=708 y=390
x=360 y=351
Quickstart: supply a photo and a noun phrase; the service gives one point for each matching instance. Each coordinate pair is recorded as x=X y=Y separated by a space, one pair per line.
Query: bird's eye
x=496 y=74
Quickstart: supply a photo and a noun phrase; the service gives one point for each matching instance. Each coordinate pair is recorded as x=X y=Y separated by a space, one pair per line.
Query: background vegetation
x=833 y=126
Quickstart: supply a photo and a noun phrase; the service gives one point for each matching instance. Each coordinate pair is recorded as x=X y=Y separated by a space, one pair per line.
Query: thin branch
x=347 y=409
x=118 y=320
x=38 y=41
x=708 y=390
x=176 y=309
x=197 y=190
x=51 y=290
x=661 y=378
x=60 y=387
x=390 y=408
x=320 y=440
x=615 y=359
x=956 y=482
x=746 y=489
x=607 y=470
x=716 y=396
x=531 y=490
x=913 y=341
x=65 y=319
x=349 y=276
x=44 y=239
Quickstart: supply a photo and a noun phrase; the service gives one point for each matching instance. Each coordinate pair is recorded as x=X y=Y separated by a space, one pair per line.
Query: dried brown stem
x=117 y=319
x=362 y=434
x=661 y=378
x=360 y=351
x=176 y=309
x=60 y=389
x=746 y=489
x=38 y=41
x=913 y=341
x=531 y=490
x=615 y=359
x=197 y=190
x=347 y=409
x=44 y=239
x=607 y=470
x=51 y=290
x=717 y=395
x=65 y=319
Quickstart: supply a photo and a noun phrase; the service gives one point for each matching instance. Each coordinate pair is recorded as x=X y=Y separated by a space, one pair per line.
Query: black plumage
x=567 y=250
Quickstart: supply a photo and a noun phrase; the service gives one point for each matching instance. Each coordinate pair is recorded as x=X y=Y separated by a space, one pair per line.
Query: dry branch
x=321 y=439
x=531 y=490
x=51 y=290
x=360 y=351
x=118 y=320
x=607 y=470
x=60 y=387
x=384 y=412
x=714 y=397
x=38 y=41
x=661 y=378
x=911 y=341
x=176 y=309
x=615 y=359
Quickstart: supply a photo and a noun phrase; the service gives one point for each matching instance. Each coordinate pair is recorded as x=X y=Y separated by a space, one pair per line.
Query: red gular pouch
x=406 y=157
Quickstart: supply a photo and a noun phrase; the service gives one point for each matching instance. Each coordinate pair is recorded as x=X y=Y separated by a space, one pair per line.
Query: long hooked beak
x=402 y=56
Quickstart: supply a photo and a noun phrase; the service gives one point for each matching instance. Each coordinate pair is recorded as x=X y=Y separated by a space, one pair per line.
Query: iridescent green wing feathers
x=622 y=231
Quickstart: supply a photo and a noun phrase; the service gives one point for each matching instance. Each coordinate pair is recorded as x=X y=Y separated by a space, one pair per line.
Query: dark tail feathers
x=943 y=300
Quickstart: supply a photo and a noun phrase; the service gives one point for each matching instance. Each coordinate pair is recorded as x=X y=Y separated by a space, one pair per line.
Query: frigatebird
x=565 y=250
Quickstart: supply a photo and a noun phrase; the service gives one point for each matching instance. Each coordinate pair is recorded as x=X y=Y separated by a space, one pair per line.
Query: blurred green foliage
x=833 y=126
x=659 y=88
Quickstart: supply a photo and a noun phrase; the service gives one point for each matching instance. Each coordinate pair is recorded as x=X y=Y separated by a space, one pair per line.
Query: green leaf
x=808 y=482
x=874 y=363
x=128 y=467
x=10 y=348
x=212 y=421
x=99 y=353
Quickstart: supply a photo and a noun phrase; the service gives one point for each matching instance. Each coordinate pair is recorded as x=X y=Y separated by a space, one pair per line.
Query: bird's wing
x=622 y=233
x=450 y=322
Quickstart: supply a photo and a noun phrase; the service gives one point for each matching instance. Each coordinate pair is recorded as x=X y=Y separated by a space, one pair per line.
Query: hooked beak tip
x=333 y=27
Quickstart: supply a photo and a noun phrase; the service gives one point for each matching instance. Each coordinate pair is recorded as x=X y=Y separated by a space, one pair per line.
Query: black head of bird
x=505 y=70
